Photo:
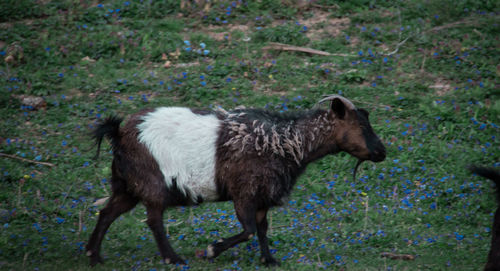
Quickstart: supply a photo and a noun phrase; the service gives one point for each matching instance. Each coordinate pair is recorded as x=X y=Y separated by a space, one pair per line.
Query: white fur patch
x=183 y=145
x=210 y=251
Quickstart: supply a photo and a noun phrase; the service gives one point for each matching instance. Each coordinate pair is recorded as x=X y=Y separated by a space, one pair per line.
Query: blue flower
x=458 y=236
x=187 y=43
x=37 y=227
x=203 y=45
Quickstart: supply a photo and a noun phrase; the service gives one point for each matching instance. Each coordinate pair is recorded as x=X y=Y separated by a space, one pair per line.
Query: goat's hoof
x=213 y=250
x=174 y=260
x=210 y=251
x=270 y=261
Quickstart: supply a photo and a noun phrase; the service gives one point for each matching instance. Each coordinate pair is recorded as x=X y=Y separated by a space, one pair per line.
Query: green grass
x=435 y=103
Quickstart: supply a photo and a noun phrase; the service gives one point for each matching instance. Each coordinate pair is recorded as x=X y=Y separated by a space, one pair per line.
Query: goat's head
x=353 y=132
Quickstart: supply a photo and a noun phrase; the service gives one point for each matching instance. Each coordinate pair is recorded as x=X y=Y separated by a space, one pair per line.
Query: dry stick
x=437 y=28
x=394 y=256
x=445 y=26
x=398 y=45
x=400 y=34
x=25 y=258
x=80 y=223
x=26 y=160
x=286 y=47
x=66 y=196
x=423 y=62
x=326 y=7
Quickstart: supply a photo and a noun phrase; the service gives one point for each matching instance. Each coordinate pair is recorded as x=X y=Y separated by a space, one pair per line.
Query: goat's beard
x=356 y=169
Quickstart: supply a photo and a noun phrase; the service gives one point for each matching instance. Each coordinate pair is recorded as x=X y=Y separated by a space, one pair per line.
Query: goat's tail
x=488 y=173
x=109 y=128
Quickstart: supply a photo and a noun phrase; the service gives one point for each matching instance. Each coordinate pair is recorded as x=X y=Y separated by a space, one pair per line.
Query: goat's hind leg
x=155 y=223
x=117 y=205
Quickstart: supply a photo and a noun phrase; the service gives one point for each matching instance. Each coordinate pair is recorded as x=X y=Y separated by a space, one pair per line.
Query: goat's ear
x=338 y=107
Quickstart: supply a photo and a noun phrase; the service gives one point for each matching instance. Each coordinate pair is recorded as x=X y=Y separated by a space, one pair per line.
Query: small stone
x=33 y=102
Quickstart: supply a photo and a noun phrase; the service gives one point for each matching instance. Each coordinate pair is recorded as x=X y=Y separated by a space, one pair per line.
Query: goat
x=493 y=263
x=172 y=156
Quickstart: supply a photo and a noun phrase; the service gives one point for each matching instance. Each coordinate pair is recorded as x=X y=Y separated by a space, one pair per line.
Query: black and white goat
x=173 y=156
x=493 y=263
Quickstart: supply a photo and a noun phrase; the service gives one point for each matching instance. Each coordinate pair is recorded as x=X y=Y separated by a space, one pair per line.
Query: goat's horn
x=347 y=103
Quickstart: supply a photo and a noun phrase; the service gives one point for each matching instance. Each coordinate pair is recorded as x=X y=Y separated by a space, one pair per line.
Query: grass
x=435 y=102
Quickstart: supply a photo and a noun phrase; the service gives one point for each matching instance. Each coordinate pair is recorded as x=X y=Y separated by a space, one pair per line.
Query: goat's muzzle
x=378 y=155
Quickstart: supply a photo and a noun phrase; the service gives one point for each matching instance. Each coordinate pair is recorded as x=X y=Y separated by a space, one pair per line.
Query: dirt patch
x=441 y=86
x=215 y=33
x=320 y=25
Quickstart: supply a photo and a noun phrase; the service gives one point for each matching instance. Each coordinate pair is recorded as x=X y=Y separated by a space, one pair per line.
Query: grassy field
x=428 y=71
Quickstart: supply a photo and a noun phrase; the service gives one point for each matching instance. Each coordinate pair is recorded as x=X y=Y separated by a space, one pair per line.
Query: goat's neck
x=316 y=137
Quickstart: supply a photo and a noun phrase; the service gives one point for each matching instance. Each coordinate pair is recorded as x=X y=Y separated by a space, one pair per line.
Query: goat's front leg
x=246 y=216
x=262 y=224
x=155 y=223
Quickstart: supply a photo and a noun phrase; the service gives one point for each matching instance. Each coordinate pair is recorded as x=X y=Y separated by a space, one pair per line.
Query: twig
x=66 y=196
x=25 y=258
x=80 y=223
x=325 y=7
x=453 y=24
x=423 y=62
x=286 y=47
x=393 y=256
x=400 y=34
x=26 y=160
x=397 y=46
